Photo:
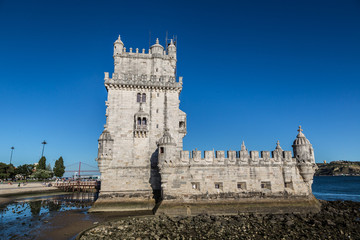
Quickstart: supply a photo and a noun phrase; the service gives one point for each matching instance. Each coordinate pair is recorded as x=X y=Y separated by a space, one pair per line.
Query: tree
x=42 y=174
x=59 y=168
x=48 y=167
x=42 y=163
x=6 y=170
x=25 y=169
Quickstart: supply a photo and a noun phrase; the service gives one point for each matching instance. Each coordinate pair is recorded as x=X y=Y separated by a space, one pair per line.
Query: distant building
x=141 y=156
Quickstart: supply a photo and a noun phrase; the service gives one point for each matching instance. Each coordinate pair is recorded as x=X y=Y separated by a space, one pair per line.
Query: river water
x=30 y=217
x=64 y=216
x=332 y=188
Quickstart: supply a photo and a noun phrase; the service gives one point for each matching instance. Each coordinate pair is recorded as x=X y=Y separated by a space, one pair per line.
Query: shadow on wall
x=155 y=177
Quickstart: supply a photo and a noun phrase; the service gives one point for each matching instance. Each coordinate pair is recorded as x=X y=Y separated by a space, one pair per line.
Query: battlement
x=142 y=54
x=143 y=80
x=235 y=158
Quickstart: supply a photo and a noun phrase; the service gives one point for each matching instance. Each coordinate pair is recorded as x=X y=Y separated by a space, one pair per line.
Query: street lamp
x=43 y=143
x=12 y=150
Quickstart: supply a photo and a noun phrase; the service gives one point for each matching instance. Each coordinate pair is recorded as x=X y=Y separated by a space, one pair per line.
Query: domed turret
x=166 y=148
x=157 y=49
x=118 y=46
x=104 y=149
x=303 y=150
x=304 y=155
x=166 y=139
x=172 y=50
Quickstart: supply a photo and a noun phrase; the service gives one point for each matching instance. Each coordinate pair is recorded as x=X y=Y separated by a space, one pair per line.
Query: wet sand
x=8 y=192
x=68 y=225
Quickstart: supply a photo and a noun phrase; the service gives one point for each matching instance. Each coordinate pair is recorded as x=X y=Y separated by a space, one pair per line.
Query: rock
x=330 y=223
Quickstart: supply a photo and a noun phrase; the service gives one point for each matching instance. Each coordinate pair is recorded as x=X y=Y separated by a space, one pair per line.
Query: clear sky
x=253 y=71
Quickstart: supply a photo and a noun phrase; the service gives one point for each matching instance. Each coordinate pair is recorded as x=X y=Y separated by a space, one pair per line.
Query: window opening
x=218 y=185
x=138 y=97
x=266 y=185
x=195 y=185
x=143 y=97
x=241 y=185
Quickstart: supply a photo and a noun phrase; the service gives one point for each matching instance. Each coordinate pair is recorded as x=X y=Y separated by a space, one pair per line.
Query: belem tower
x=143 y=165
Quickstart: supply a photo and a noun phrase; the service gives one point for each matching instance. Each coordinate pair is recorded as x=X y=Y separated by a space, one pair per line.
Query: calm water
x=337 y=188
x=25 y=218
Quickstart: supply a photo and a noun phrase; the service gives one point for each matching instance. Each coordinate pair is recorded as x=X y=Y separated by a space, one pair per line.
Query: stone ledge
x=234 y=207
x=125 y=205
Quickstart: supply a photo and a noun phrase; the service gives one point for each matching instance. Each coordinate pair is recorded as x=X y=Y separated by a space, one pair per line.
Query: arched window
x=139 y=121
x=144 y=121
x=143 y=97
x=138 y=98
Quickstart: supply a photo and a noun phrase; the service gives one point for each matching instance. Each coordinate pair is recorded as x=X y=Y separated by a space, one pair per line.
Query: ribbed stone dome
x=157 y=45
x=166 y=139
x=300 y=138
x=105 y=135
x=118 y=41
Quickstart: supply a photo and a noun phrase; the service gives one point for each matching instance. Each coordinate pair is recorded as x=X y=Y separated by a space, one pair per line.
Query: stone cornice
x=121 y=84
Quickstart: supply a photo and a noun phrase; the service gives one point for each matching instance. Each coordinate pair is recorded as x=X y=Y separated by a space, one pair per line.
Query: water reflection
x=25 y=217
x=35 y=208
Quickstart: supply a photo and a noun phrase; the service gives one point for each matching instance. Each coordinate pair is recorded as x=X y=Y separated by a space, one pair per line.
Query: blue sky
x=253 y=71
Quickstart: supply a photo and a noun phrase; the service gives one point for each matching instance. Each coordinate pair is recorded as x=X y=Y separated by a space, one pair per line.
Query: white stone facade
x=143 y=100
x=141 y=149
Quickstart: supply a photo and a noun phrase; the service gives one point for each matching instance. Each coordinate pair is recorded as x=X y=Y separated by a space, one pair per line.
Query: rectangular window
x=161 y=150
x=289 y=185
x=218 y=185
x=266 y=185
x=241 y=185
x=195 y=185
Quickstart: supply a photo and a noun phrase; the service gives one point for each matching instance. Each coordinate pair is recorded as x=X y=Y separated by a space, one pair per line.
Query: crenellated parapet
x=272 y=173
x=234 y=158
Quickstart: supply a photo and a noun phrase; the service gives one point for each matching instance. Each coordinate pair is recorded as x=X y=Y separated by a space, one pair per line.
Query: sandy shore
x=9 y=192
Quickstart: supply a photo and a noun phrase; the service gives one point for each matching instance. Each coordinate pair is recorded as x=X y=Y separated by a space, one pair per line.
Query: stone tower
x=141 y=156
x=142 y=106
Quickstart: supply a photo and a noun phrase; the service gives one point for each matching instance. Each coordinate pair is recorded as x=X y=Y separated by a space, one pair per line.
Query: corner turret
x=166 y=147
x=118 y=46
x=104 y=150
x=304 y=154
x=172 y=50
x=303 y=150
x=157 y=50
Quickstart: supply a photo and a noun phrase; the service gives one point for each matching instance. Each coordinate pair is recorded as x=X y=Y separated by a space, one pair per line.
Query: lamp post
x=12 y=150
x=43 y=143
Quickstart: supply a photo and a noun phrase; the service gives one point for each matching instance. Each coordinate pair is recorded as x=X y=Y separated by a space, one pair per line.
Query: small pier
x=78 y=186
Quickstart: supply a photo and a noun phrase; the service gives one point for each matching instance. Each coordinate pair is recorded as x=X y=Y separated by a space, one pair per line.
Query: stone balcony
x=143 y=81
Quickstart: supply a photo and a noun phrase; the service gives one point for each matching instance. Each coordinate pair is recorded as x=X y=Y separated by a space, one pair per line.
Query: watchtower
x=143 y=101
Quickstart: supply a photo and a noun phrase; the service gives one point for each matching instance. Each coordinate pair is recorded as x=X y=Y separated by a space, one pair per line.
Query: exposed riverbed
x=54 y=216
x=336 y=220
